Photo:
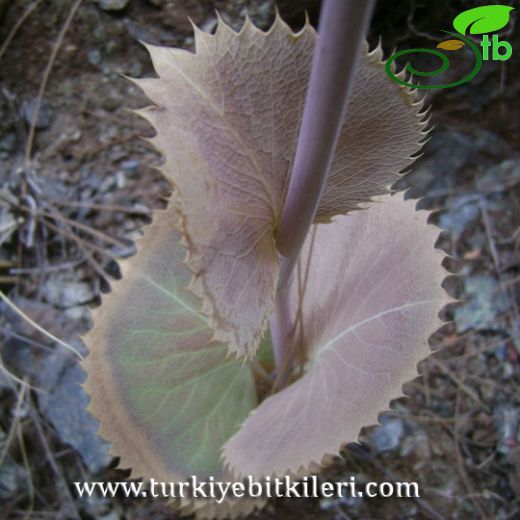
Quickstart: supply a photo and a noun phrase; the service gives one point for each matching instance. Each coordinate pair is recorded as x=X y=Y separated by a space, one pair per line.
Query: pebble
x=43 y=120
x=113 y=515
x=107 y=183
x=9 y=480
x=113 y=5
x=120 y=180
x=462 y=212
x=117 y=152
x=66 y=409
x=8 y=143
x=388 y=436
x=65 y=293
x=94 y=57
x=486 y=302
x=5 y=382
x=130 y=165
x=80 y=313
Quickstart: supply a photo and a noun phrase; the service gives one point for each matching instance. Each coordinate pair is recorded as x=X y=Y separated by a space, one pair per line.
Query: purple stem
x=280 y=332
x=341 y=32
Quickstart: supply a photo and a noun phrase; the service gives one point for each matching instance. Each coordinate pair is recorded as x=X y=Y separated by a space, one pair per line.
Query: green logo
x=477 y=21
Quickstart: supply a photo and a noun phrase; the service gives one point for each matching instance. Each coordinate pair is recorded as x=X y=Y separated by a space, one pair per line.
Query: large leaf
x=371 y=302
x=482 y=20
x=227 y=120
x=383 y=129
x=167 y=396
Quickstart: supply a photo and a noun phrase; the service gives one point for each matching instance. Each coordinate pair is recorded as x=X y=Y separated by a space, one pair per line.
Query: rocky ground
x=76 y=190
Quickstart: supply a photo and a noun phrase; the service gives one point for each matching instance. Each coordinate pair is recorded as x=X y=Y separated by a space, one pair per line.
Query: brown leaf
x=371 y=302
x=451 y=45
x=384 y=128
x=227 y=120
x=227 y=137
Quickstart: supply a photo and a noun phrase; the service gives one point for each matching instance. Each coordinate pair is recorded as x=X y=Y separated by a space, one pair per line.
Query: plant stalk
x=341 y=32
x=280 y=325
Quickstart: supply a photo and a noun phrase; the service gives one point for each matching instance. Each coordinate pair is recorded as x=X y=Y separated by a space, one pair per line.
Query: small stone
x=110 y=46
x=5 y=383
x=501 y=352
x=120 y=180
x=80 y=313
x=94 y=57
x=107 y=183
x=113 y=515
x=508 y=371
x=487 y=301
x=65 y=407
x=117 y=152
x=388 y=436
x=461 y=212
x=123 y=252
x=43 y=119
x=113 y=5
x=99 y=33
x=65 y=294
x=130 y=165
x=508 y=418
x=8 y=143
x=10 y=477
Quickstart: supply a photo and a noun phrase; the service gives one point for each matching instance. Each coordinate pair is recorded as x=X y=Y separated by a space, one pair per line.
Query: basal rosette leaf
x=166 y=394
x=223 y=127
x=372 y=299
x=227 y=120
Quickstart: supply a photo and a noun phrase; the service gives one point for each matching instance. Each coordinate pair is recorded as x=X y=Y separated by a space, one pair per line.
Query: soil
x=75 y=198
